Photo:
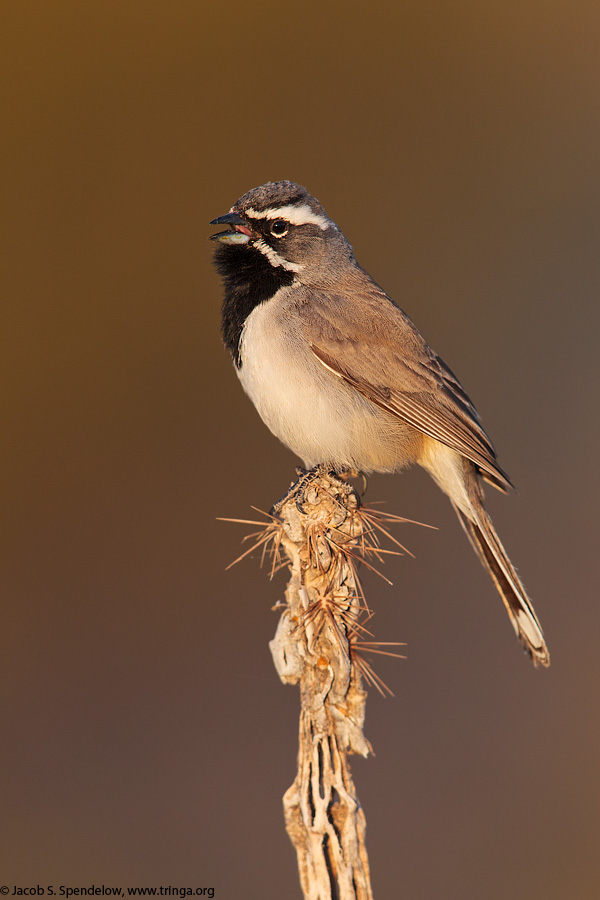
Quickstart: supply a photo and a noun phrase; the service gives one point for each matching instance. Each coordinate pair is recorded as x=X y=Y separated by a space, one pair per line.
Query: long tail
x=485 y=541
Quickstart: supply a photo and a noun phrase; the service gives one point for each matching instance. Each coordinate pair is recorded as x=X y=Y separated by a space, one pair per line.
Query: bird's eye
x=279 y=228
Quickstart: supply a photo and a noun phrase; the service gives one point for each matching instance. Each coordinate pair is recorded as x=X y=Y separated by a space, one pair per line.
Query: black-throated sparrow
x=341 y=375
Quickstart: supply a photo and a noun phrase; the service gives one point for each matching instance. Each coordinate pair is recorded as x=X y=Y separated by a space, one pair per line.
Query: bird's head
x=287 y=227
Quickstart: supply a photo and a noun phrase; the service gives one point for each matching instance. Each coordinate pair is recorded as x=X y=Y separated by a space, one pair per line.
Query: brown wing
x=385 y=358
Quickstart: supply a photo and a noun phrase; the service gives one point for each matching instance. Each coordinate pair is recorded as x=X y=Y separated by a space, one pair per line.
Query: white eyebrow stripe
x=295 y=215
x=274 y=258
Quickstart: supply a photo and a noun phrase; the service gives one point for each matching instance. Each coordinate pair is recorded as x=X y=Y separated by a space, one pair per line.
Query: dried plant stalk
x=320 y=643
x=324 y=532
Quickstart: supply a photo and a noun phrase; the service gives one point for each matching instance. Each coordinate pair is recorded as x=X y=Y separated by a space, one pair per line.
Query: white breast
x=308 y=408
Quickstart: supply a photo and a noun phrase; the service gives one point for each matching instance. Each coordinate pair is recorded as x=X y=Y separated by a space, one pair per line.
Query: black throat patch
x=249 y=279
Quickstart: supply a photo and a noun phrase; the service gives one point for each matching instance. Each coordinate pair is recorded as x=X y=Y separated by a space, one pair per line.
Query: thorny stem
x=320 y=643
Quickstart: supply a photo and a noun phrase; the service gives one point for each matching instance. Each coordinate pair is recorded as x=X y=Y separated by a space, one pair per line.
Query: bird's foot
x=307 y=477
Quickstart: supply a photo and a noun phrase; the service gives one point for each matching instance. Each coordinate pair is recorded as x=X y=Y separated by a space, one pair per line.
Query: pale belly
x=311 y=410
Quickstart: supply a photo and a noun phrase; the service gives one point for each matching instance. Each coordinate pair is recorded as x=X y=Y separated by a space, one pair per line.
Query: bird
x=341 y=375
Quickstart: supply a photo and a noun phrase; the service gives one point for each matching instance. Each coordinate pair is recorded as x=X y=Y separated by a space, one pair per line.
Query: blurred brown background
x=146 y=737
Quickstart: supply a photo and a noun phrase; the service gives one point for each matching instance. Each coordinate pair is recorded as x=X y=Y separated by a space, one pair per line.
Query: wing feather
x=385 y=358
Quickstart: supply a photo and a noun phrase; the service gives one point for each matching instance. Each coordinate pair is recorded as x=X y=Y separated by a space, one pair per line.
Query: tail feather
x=485 y=541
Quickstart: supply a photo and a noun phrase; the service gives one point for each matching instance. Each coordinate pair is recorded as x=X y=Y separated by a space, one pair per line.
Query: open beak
x=239 y=233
